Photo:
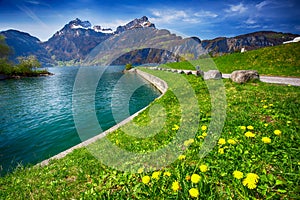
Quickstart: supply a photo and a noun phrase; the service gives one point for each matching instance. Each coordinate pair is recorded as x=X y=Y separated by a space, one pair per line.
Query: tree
x=5 y=50
x=128 y=66
x=27 y=65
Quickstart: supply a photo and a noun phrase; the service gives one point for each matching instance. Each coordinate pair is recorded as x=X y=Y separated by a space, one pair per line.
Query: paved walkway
x=266 y=79
x=275 y=79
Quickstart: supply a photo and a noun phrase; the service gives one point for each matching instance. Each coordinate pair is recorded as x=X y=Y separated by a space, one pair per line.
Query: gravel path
x=275 y=79
x=266 y=79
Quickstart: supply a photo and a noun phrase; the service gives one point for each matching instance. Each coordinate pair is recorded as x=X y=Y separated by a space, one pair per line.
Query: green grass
x=282 y=60
x=266 y=107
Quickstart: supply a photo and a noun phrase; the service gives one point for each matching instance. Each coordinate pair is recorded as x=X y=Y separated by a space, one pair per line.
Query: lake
x=36 y=120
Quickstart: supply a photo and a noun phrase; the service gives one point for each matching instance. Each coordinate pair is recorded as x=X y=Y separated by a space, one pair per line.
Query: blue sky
x=205 y=19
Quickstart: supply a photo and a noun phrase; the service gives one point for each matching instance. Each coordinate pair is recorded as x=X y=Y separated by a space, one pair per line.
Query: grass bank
x=256 y=156
x=282 y=60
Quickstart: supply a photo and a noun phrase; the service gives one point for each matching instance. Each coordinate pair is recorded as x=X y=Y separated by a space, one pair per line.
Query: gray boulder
x=243 y=76
x=212 y=74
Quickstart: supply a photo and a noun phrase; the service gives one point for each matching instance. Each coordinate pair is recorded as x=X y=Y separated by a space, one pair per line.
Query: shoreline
x=6 y=77
x=160 y=84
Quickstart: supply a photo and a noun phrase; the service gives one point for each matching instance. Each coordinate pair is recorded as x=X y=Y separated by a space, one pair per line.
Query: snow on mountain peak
x=77 y=23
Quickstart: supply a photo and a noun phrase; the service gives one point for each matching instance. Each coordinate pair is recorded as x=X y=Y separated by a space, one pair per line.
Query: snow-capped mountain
x=77 y=39
x=136 y=23
x=77 y=23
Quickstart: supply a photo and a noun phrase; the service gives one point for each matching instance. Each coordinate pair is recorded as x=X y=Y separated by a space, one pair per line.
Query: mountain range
x=137 y=42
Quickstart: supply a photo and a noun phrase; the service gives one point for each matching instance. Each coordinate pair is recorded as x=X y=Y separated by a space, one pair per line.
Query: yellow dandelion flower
x=141 y=170
x=204 y=134
x=181 y=157
x=277 y=132
x=251 y=180
x=175 y=127
x=249 y=134
x=265 y=106
x=175 y=186
x=195 y=178
x=288 y=122
x=203 y=168
x=270 y=104
x=194 y=192
x=243 y=127
x=250 y=127
x=266 y=124
x=167 y=174
x=146 y=179
x=231 y=141
x=266 y=140
x=221 y=141
x=203 y=128
x=155 y=175
x=221 y=151
x=188 y=142
x=238 y=174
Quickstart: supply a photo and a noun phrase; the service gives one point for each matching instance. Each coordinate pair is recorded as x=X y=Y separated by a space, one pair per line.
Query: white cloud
x=240 y=8
x=250 y=21
x=262 y=4
x=168 y=16
x=206 y=14
x=33 y=16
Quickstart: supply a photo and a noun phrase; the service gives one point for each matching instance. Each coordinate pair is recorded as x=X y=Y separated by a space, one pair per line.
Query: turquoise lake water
x=36 y=114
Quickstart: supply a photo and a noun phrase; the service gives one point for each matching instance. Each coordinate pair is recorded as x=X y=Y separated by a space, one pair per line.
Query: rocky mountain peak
x=136 y=23
x=77 y=23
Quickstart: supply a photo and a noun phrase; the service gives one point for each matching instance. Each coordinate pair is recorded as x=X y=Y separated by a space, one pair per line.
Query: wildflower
x=243 y=127
x=277 y=132
x=203 y=128
x=194 y=192
x=155 y=175
x=251 y=180
x=221 y=151
x=263 y=101
x=231 y=141
x=238 y=174
x=266 y=124
x=141 y=170
x=175 y=186
x=175 y=128
x=203 y=168
x=188 y=178
x=167 y=174
x=249 y=134
x=266 y=140
x=146 y=179
x=265 y=106
x=204 y=134
x=195 y=178
x=188 y=142
x=270 y=104
x=288 y=122
x=221 y=141
x=250 y=127
x=200 y=137
x=181 y=157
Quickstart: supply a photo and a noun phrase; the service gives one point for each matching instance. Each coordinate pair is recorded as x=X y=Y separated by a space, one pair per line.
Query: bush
x=128 y=66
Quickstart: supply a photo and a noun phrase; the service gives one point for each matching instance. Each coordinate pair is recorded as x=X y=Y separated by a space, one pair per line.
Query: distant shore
x=4 y=76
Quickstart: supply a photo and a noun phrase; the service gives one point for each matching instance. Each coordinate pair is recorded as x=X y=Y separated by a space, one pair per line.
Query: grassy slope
x=283 y=60
x=81 y=175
